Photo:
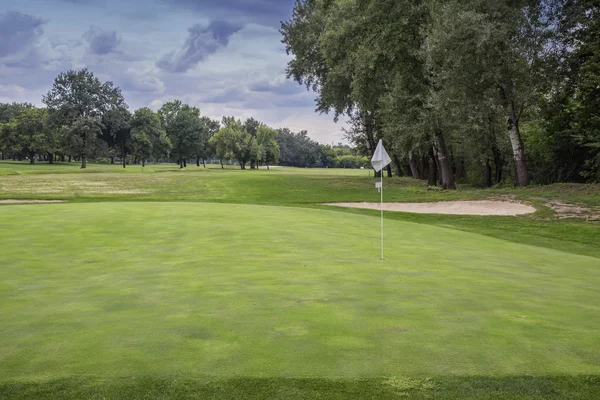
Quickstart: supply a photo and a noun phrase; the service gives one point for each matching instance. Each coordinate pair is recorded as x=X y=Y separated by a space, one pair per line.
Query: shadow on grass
x=512 y=387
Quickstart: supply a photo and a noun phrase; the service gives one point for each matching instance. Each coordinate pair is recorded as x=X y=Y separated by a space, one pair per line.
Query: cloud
x=200 y=43
x=267 y=11
x=141 y=82
x=156 y=104
x=11 y=89
x=102 y=42
x=18 y=32
x=280 y=87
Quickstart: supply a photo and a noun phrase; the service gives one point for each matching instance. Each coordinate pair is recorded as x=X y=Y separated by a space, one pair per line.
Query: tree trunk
x=83 y=162
x=414 y=170
x=389 y=171
x=185 y=163
x=444 y=160
x=143 y=162
x=50 y=158
x=461 y=170
x=252 y=165
x=197 y=161
x=397 y=164
x=487 y=174
x=112 y=160
x=268 y=169
x=433 y=175
x=180 y=163
x=498 y=164
x=514 y=135
x=123 y=153
x=204 y=161
x=70 y=158
x=221 y=161
x=31 y=158
x=421 y=167
x=521 y=176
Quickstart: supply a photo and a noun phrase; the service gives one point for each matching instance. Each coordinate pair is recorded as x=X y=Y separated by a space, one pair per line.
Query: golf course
x=221 y=283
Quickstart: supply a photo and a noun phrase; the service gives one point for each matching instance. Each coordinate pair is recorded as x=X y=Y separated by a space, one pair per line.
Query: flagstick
x=381 y=214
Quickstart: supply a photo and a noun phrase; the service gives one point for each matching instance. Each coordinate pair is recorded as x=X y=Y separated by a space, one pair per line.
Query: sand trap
x=484 y=207
x=30 y=201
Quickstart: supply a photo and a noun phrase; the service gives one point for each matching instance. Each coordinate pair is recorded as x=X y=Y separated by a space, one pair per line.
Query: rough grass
x=155 y=299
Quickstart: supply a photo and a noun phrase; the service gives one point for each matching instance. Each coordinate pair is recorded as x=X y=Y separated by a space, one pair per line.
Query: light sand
x=30 y=201
x=484 y=207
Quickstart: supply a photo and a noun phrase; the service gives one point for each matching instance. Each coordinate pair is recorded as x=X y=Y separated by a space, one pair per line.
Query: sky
x=223 y=56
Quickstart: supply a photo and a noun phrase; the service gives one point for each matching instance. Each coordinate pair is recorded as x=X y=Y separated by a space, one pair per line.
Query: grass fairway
x=201 y=300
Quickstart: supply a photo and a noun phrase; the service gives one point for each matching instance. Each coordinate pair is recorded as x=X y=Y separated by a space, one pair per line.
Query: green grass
x=307 y=188
x=173 y=285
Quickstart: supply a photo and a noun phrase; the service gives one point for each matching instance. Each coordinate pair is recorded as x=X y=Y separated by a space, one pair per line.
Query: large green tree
x=78 y=100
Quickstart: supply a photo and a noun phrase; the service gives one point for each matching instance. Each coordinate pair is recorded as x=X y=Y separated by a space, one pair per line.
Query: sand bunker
x=30 y=201
x=484 y=207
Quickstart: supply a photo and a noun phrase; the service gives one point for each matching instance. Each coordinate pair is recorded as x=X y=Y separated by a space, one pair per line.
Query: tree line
x=85 y=118
x=478 y=91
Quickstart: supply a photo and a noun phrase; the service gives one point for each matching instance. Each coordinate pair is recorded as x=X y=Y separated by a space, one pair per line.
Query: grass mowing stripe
x=441 y=388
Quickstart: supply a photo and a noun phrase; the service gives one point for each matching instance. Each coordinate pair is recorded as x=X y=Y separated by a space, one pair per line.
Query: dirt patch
x=567 y=210
x=483 y=207
x=30 y=201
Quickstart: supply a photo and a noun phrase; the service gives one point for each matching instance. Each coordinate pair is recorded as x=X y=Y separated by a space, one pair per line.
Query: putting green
x=197 y=289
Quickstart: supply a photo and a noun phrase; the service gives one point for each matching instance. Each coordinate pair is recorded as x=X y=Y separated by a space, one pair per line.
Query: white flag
x=380 y=159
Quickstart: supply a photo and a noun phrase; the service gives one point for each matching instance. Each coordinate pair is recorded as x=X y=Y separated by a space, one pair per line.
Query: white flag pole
x=381 y=172
x=380 y=160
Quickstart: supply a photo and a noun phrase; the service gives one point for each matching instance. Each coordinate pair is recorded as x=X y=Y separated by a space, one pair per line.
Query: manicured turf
x=187 y=289
x=211 y=297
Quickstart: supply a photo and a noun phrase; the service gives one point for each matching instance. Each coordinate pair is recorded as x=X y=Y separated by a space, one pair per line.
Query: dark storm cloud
x=267 y=11
x=18 y=31
x=200 y=43
x=102 y=42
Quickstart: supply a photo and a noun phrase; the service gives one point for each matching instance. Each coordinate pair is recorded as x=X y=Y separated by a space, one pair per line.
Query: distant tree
x=298 y=149
x=211 y=128
x=141 y=145
x=252 y=125
x=82 y=137
x=266 y=141
x=148 y=137
x=79 y=100
x=116 y=132
x=328 y=156
x=8 y=112
x=223 y=143
x=32 y=133
x=185 y=130
x=232 y=141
